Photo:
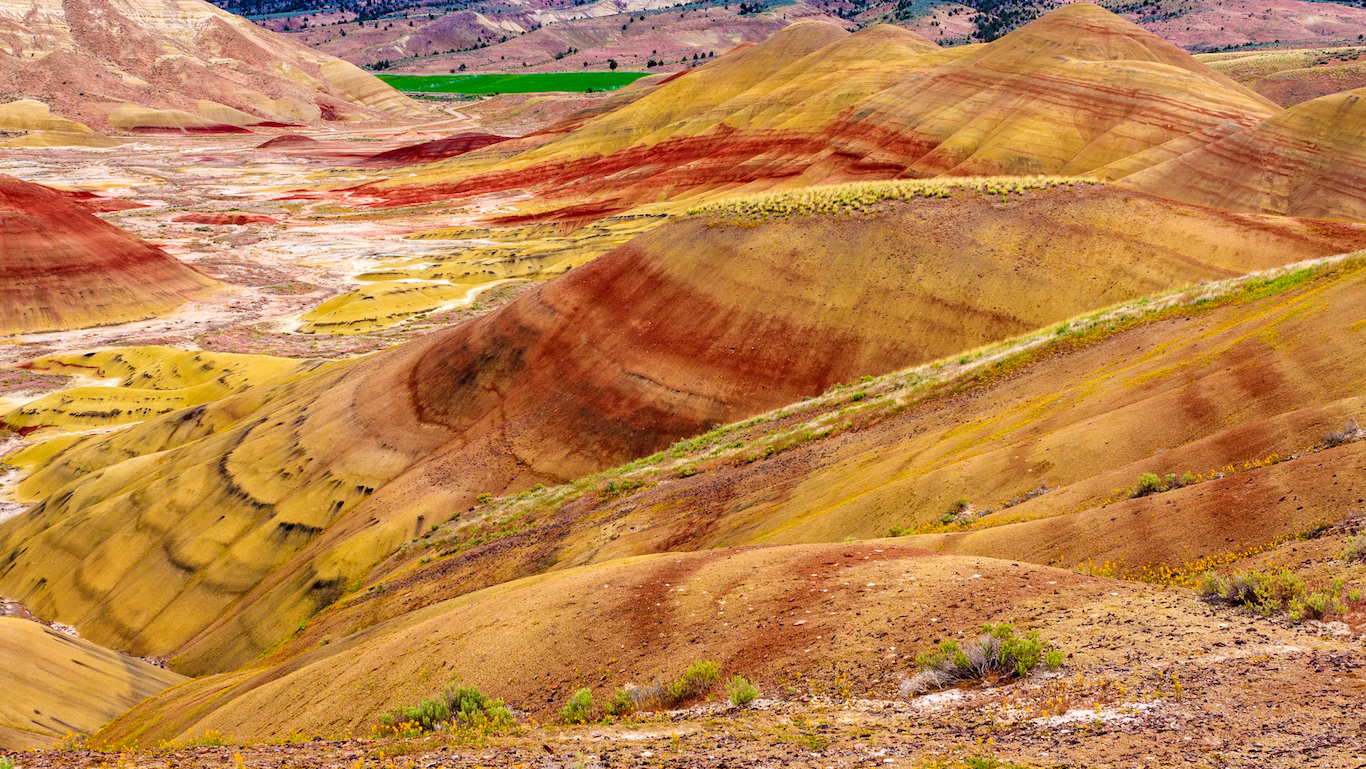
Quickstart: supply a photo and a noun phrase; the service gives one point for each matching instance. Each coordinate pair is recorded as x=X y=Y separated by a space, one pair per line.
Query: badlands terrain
x=847 y=399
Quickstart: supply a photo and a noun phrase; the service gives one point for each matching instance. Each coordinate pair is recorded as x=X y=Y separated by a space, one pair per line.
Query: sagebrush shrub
x=741 y=691
x=1356 y=549
x=1269 y=594
x=1347 y=434
x=621 y=703
x=579 y=709
x=997 y=653
x=697 y=680
x=457 y=706
x=1148 y=483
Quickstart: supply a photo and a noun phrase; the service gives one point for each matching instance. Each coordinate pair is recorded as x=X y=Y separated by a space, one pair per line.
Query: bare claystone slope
x=233 y=522
x=63 y=267
x=1069 y=93
x=177 y=65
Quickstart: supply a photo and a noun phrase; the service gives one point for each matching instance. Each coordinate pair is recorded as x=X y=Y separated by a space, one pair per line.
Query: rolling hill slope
x=63 y=267
x=1071 y=92
x=1218 y=376
x=1308 y=161
x=177 y=65
x=212 y=532
x=1045 y=439
x=56 y=685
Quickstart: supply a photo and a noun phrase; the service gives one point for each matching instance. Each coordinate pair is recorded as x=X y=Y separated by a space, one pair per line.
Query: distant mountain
x=553 y=35
x=1070 y=93
x=176 y=65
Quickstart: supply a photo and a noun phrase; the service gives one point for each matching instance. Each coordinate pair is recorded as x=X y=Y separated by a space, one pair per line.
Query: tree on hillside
x=612 y=64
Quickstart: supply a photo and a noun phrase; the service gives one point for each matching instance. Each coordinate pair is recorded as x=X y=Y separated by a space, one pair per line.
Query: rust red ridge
x=580 y=214
x=439 y=149
x=100 y=204
x=23 y=431
x=225 y=219
x=674 y=161
x=220 y=128
x=288 y=140
x=60 y=261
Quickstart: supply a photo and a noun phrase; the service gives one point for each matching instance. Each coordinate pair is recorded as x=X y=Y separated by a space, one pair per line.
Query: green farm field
x=513 y=83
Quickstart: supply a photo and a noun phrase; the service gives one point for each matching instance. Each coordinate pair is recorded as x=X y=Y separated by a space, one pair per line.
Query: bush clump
x=741 y=691
x=1152 y=483
x=1347 y=434
x=1356 y=549
x=460 y=707
x=998 y=653
x=1270 y=594
x=621 y=703
x=699 y=679
x=579 y=709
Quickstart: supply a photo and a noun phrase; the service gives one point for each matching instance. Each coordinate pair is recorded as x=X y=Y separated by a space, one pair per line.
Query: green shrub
x=1148 y=483
x=741 y=691
x=621 y=703
x=579 y=709
x=697 y=680
x=1356 y=549
x=457 y=706
x=997 y=652
x=1269 y=594
x=1152 y=483
x=6 y=762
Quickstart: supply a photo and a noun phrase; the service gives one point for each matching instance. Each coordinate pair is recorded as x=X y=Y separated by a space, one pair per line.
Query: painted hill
x=638 y=620
x=1066 y=94
x=55 y=685
x=1308 y=161
x=1241 y=386
x=503 y=38
x=64 y=267
x=546 y=35
x=1236 y=384
x=177 y=65
x=1289 y=77
x=211 y=533
x=432 y=151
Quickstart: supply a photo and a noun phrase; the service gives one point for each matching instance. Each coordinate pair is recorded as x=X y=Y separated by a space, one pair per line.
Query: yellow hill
x=56 y=685
x=1308 y=161
x=211 y=533
x=1068 y=93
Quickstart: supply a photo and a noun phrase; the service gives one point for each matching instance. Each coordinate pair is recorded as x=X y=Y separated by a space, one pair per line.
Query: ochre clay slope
x=1073 y=91
x=1293 y=76
x=56 y=685
x=1308 y=161
x=63 y=267
x=432 y=151
x=1044 y=440
x=177 y=65
x=777 y=615
x=212 y=532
